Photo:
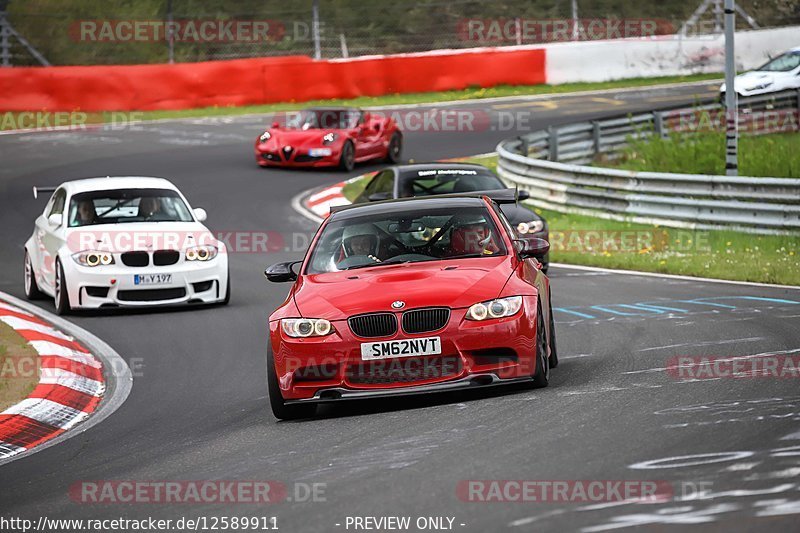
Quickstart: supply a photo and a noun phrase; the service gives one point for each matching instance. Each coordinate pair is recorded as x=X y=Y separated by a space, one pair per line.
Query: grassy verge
x=776 y=155
x=473 y=93
x=586 y=240
x=19 y=370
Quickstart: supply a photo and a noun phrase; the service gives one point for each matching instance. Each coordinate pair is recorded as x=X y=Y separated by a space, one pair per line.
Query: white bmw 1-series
x=779 y=74
x=123 y=242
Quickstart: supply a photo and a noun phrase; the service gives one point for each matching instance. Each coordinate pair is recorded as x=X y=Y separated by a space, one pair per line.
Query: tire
x=542 y=376
x=32 y=291
x=395 y=149
x=347 y=160
x=553 y=352
x=63 y=306
x=276 y=402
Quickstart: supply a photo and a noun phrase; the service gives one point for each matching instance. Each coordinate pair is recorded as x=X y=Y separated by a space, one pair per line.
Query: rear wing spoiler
x=498 y=196
x=37 y=190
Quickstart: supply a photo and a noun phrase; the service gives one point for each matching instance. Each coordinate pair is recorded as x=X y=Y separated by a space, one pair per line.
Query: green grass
x=19 y=367
x=592 y=241
x=473 y=93
x=776 y=155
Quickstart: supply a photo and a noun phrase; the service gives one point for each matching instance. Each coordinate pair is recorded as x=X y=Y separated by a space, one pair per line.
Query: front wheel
x=542 y=376
x=63 y=306
x=276 y=401
x=552 y=338
x=32 y=291
x=347 y=161
x=395 y=149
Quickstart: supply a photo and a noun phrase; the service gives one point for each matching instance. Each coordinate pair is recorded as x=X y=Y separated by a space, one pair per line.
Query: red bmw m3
x=410 y=296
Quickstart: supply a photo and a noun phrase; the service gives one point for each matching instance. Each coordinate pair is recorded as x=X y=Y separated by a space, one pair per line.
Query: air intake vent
x=425 y=320
x=136 y=259
x=376 y=325
x=165 y=257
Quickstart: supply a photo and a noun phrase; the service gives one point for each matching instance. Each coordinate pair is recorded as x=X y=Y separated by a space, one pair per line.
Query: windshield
x=323 y=119
x=783 y=63
x=127 y=205
x=408 y=237
x=447 y=181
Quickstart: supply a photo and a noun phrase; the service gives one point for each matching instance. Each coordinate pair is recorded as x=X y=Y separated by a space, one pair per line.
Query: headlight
x=328 y=138
x=306 y=327
x=534 y=226
x=201 y=253
x=93 y=259
x=499 y=308
x=760 y=86
x=265 y=137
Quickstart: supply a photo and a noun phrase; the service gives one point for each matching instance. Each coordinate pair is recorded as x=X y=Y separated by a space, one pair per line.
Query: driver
x=85 y=213
x=361 y=240
x=149 y=206
x=472 y=238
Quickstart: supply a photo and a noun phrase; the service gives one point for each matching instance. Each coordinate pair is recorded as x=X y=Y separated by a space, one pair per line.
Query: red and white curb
x=320 y=203
x=74 y=378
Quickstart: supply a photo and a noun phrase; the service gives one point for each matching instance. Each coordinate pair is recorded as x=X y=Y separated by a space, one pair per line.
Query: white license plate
x=319 y=152
x=152 y=279
x=372 y=351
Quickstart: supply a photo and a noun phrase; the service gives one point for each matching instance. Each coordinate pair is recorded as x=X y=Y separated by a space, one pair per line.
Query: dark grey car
x=428 y=179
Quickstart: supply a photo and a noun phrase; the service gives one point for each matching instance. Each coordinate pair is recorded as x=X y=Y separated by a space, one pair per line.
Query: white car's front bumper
x=114 y=285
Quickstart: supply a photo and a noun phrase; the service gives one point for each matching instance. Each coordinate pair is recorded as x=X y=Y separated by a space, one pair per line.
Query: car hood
x=139 y=236
x=516 y=213
x=755 y=80
x=454 y=283
x=283 y=137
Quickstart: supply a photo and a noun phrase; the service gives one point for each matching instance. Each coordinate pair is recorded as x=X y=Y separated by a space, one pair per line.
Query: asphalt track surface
x=198 y=409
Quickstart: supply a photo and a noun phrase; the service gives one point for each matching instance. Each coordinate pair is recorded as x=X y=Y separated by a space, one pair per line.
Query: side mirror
x=378 y=196
x=281 y=272
x=523 y=195
x=200 y=214
x=276 y=124
x=54 y=220
x=532 y=247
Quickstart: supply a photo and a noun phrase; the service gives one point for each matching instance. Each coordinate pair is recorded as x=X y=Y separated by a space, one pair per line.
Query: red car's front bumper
x=473 y=353
x=296 y=158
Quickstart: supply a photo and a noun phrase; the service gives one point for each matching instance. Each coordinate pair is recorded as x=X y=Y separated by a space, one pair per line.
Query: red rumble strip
x=70 y=385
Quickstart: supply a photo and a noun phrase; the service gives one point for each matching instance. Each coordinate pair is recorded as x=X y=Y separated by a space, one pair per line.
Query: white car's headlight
x=499 y=308
x=265 y=137
x=306 y=327
x=93 y=259
x=534 y=226
x=760 y=86
x=201 y=253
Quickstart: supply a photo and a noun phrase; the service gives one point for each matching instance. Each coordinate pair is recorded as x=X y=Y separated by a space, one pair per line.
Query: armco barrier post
x=552 y=143
x=596 y=136
x=658 y=124
x=524 y=148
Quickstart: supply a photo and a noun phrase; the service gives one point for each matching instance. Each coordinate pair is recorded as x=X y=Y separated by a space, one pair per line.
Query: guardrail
x=550 y=165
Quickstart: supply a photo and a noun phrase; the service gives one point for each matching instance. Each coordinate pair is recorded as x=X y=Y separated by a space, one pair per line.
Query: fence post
x=552 y=143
